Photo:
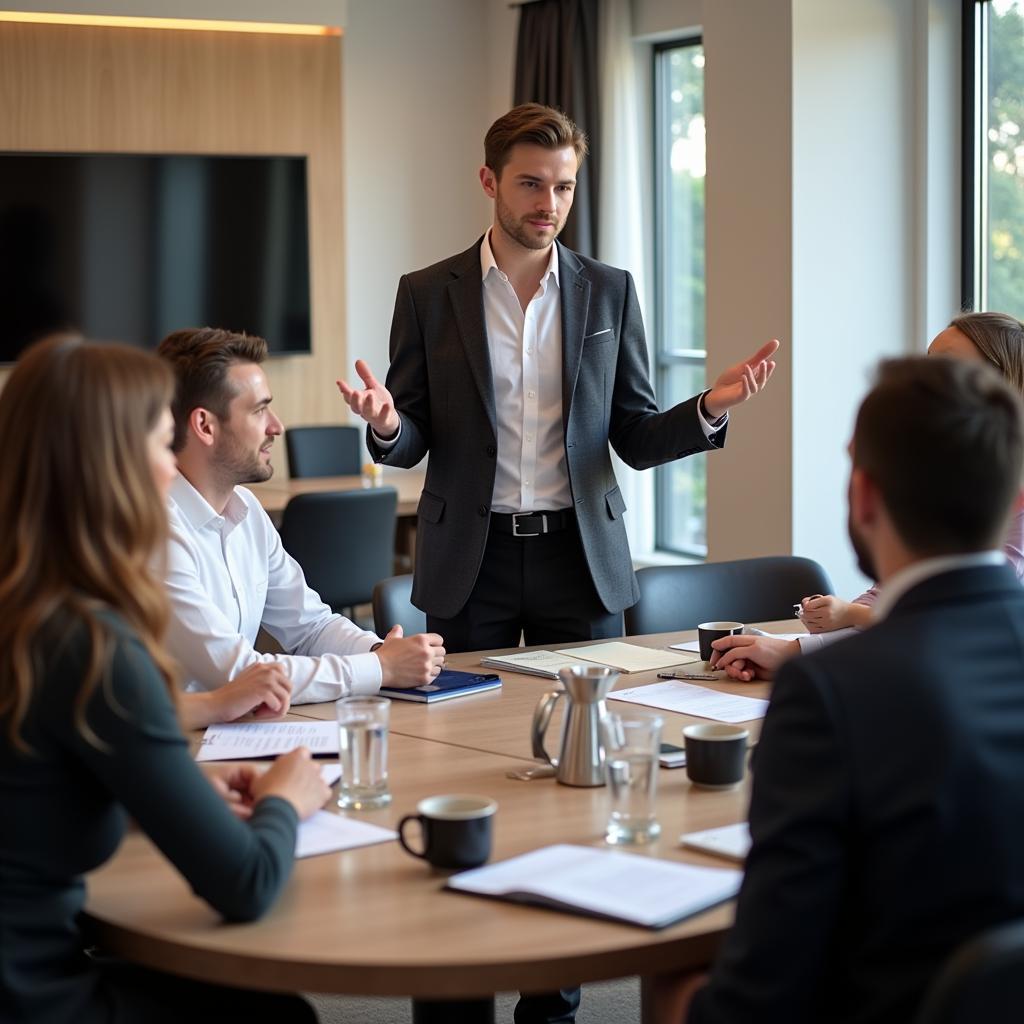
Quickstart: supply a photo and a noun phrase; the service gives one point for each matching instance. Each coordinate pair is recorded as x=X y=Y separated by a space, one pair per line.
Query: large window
x=681 y=491
x=993 y=166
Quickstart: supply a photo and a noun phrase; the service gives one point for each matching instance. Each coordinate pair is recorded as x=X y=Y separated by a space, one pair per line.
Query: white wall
x=416 y=102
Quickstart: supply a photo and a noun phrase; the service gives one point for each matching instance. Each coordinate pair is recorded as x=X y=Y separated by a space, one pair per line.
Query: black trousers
x=537 y=587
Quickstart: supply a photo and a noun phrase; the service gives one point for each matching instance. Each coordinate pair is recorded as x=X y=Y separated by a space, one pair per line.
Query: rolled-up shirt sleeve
x=225 y=579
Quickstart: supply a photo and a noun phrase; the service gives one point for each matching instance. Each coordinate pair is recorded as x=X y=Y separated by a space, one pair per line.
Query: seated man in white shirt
x=227 y=573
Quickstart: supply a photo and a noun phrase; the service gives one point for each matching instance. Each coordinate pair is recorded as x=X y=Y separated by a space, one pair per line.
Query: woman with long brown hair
x=88 y=726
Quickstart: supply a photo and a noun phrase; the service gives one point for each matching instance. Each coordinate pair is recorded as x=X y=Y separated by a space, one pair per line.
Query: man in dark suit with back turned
x=515 y=363
x=888 y=802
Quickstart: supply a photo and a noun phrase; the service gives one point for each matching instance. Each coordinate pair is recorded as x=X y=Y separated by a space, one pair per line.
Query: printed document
x=729 y=841
x=241 y=740
x=689 y=699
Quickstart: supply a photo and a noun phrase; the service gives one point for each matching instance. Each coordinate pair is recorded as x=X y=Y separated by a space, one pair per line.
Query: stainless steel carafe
x=580 y=761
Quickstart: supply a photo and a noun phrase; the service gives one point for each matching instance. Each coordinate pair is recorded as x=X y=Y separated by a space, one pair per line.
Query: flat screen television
x=126 y=247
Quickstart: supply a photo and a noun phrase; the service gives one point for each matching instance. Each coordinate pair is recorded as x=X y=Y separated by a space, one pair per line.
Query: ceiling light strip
x=180 y=24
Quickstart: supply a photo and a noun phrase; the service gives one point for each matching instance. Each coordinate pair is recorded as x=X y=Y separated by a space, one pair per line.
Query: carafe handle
x=541 y=720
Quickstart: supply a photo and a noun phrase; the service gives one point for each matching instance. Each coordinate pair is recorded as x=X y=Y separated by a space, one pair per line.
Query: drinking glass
x=363 y=752
x=631 y=744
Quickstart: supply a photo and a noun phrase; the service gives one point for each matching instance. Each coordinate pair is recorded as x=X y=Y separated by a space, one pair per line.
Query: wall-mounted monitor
x=127 y=247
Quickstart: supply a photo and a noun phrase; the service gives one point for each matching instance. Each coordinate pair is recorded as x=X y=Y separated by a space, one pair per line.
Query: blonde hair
x=82 y=516
x=999 y=337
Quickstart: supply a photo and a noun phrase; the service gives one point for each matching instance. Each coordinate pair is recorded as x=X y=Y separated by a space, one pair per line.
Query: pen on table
x=689 y=675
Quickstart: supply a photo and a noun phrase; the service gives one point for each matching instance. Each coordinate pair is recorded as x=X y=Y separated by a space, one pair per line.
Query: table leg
x=460 y=1011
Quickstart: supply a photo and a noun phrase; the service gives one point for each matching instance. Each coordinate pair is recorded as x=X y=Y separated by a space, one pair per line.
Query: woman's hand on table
x=294 y=777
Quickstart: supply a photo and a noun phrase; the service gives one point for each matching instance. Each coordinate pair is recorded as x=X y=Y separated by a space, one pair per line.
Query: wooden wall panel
x=69 y=88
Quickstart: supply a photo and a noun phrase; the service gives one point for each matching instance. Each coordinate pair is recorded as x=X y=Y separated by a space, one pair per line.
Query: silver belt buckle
x=516 y=516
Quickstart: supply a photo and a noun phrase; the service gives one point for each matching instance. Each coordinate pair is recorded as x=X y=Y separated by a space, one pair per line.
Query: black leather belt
x=532 y=524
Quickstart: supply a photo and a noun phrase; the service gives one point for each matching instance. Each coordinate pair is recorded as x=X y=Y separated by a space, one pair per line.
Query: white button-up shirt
x=226 y=576
x=525 y=347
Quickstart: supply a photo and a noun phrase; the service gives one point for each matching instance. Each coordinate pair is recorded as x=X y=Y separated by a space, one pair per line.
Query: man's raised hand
x=372 y=402
x=741 y=381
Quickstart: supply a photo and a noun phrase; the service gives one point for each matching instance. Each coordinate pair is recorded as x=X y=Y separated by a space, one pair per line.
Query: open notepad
x=627 y=657
x=603 y=883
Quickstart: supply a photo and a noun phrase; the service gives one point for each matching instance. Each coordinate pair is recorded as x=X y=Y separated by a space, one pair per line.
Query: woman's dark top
x=63 y=810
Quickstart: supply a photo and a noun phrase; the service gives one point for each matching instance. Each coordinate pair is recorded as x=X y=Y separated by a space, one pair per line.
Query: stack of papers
x=699 y=701
x=247 y=740
x=603 y=883
x=533 y=663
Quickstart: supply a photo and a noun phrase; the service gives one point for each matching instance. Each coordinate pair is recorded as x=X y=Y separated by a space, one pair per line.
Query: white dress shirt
x=227 y=575
x=525 y=349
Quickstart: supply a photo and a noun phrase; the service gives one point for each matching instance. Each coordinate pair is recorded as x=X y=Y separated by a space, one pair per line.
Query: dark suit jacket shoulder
x=887 y=811
x=441 y=381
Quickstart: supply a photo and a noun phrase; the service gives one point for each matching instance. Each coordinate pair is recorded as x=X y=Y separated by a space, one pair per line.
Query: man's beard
x=238 y=467
x=864 y=560
x=520 y=231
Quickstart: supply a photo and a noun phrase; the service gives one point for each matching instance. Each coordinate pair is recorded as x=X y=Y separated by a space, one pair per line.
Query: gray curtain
x=556 y=64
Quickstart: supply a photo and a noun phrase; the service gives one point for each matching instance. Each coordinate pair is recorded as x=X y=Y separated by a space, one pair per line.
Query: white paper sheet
x=240 y=740
x=626 y=657
x=324 y=832
x=694 y=645
x=606 y=883
x=729 y=841
x=699 y=701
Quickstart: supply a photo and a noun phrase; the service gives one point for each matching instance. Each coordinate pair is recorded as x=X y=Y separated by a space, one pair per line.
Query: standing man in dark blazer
x=888 y=803
x=515 y=364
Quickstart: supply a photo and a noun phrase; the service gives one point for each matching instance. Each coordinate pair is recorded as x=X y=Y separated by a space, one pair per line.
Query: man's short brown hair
x=943 y=440
x=201 y=358
x=535 y=125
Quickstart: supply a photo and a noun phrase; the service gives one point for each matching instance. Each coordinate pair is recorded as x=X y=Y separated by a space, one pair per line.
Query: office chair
x=344 y=541
x=392 y=605
x=674 y=597
x=324 y=451
x=983 y=981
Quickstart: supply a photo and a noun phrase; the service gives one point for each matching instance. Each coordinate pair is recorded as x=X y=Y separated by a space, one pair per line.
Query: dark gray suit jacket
x=440 y=377
x=887 y=812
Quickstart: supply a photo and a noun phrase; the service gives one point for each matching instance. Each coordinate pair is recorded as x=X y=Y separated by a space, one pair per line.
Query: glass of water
x=363 y=752
x=631 y=744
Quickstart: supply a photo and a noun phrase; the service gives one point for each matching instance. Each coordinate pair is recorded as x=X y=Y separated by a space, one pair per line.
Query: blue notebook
x=447 y=685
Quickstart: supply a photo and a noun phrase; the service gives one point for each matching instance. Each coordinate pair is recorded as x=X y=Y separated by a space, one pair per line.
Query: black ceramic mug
x=709 y=632
x=456 y=830
x=716 y=755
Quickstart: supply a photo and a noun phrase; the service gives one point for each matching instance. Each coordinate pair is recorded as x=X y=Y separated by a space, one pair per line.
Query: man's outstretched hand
x=738 y=383
x=372 y=402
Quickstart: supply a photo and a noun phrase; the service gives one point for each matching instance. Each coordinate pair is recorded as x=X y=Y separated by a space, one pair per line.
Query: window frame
x=666 y=357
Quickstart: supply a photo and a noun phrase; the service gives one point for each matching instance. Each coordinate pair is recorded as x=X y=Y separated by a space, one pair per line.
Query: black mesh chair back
x=392 y=606
x=982 y=983
x=344 y=541
x=324 y=451
x=674 y=597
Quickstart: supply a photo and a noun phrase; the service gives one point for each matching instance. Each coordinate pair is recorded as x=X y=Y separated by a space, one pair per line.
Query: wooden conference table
x=276 y=493
x=375 y=921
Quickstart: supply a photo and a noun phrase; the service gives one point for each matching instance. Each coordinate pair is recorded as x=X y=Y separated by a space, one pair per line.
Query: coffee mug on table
x=708 y=632
x=456 y=830
x=716 y=755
